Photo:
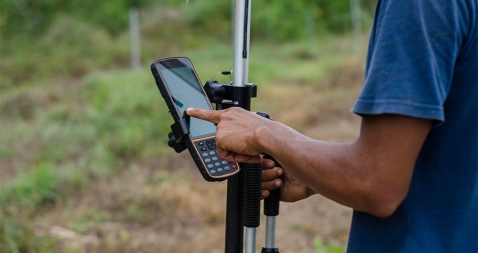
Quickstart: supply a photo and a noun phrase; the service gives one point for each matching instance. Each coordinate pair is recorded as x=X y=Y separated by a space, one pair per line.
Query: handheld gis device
x=180 y=87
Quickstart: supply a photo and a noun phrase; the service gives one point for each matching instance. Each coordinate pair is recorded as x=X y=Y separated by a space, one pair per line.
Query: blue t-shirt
x=423 y=62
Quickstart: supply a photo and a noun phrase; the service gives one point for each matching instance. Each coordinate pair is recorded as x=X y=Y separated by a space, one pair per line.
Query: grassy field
x=85 y=166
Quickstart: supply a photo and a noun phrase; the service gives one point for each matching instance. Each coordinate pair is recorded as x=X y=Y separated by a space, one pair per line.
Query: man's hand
x=292 y=189
x=235 y=142
x=236 y=129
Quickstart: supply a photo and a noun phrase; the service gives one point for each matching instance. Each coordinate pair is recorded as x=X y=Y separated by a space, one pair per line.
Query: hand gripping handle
x=271 y=203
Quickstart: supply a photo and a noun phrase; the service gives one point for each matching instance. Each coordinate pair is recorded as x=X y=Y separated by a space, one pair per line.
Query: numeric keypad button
x=211 y=144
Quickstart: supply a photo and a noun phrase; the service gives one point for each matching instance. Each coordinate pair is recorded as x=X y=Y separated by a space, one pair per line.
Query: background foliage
x=76 y=122
x=277 y=18
x=40 y=37
x=31 y=17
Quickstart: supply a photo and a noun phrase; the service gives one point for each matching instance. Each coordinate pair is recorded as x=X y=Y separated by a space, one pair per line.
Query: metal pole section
x=239 y=43
x=270 y=232
x=251 y=238
x=246 y=187
x=252 y=176
x=247 y=41
x=235 y=187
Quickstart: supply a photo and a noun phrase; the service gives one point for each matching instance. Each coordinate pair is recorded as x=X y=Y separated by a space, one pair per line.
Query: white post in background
x=135 y=38
x=355 y=17
x=309 y=24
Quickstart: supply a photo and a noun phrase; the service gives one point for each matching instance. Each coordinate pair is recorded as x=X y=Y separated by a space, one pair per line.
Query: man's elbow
x=384 y=202
x=384 y=209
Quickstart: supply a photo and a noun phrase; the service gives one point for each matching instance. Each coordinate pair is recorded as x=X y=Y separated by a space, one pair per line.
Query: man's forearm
x=371 y=174
x=329 y=169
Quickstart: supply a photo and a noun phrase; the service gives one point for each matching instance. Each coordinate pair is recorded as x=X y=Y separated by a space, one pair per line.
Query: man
x=412 y=175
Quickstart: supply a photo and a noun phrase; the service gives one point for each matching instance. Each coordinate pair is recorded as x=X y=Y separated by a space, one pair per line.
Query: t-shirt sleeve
x=412 y=51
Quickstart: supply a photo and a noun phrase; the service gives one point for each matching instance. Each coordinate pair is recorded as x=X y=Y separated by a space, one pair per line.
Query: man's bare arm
x=372 y=174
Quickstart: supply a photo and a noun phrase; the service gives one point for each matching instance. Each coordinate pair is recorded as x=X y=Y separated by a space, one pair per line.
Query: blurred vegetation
x=45 y=39
x=32 y=17
x=62 y=139
x=72 y=114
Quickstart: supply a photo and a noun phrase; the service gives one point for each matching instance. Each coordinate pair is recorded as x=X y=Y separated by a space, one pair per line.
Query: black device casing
x=190 y=143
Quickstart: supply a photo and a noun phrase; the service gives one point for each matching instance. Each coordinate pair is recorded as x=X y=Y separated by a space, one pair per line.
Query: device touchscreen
x=186 y=92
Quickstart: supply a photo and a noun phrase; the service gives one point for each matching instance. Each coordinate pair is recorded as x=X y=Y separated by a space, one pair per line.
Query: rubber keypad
x=215 y=165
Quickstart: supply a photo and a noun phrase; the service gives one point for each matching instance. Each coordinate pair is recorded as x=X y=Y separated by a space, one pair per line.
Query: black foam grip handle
x=271 y=203
x=252 y=194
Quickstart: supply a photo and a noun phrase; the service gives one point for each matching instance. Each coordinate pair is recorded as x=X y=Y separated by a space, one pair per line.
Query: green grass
x=32 y=188
x=60 y=140
x=31 y=191
x=320 y=247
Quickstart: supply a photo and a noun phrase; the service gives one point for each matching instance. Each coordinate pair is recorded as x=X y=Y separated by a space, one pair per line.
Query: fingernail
x=277 y=183
x=189 y=109
x=279 y=172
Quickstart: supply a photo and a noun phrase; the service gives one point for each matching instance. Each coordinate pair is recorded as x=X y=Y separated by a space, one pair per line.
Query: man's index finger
x=209 y=115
